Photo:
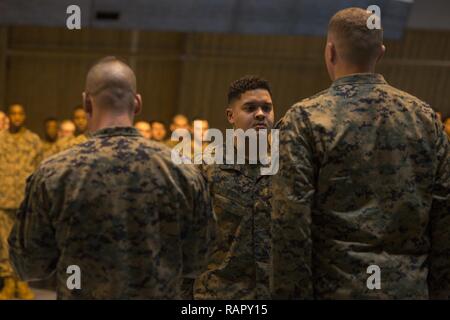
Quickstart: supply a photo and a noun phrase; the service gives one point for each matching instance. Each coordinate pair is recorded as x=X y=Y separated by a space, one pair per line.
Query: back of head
x=355 y=43
x=111 y=84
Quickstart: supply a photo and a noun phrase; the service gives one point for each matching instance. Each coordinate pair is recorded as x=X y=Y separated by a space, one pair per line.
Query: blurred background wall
x=43 y=67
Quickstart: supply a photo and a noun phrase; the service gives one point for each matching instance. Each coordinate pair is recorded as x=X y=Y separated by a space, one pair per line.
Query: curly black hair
x=244 y=84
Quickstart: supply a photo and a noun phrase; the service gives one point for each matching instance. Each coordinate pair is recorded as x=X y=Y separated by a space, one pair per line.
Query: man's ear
x=230 y=115
x=87 y=103
x=382 y=52
x=330 y=53
x=137 y=104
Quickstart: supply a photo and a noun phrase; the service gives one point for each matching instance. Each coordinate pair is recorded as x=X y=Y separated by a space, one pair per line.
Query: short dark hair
x=244 y=84
x=158 y=121
x=50 y=119
x=358 y=44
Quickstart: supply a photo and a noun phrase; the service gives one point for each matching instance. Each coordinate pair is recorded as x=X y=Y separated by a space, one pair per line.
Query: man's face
x=4 y=121
x=80 y=120
x=202 y=124
x=158 y=131
x=51 y=130
x=67 y=129
x=447 y=126
x=16 y=116
x=179 y=122
x=254 y=109
x=144 y=128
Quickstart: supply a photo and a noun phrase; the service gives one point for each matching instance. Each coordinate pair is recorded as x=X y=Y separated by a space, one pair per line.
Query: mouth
x=260 y=126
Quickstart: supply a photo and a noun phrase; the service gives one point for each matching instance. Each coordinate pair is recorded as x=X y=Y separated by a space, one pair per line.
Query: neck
x=50 y=139
x=258 y=146
x=345 y=70
x=79 y=132
x=13 y=129
x=102 y=122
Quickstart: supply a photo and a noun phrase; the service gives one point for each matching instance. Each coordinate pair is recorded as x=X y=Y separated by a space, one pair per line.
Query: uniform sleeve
x=439 y=268
x=197 y=234
x=293 y=191
x=33 y=250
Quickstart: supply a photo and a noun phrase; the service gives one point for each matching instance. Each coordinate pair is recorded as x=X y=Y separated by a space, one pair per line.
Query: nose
x=259 y=115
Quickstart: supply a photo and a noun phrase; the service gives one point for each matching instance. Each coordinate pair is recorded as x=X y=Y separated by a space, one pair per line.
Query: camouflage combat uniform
x=364 y=180
x=117 y=207
x=170 y=143
x=47 y=148
x=64 y=144
x=239 y=257
x=20 y=153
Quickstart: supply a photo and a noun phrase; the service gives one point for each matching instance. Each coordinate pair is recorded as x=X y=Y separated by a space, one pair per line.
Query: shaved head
x=66 y=129
x=112 y=85
x=355 y=42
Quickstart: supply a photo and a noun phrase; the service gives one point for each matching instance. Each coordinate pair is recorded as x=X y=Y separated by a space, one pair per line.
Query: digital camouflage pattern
x=171 y=143
x=20 y=154
x=6 y=223
x=117 y=207
x=364 y=180
x=239 y=257
x=47 y=148
x=64 y=144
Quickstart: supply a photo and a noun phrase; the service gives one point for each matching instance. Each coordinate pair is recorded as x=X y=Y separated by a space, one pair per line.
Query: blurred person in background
x=20 y=154
x=144 y=129
x=50 y=135
x=159 y=131
x=4 y=121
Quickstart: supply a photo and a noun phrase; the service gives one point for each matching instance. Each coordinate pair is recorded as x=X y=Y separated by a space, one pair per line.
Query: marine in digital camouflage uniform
x=364 y=180
x=80 y=120
x=20 y=154
x=50 y=136
x=179 y=121
x=115 y=205
x=81 y=134
x=239 y=256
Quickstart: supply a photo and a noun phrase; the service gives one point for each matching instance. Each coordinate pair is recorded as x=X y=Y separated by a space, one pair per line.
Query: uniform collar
x=116 y=131
x=21 y=131
x=359 y=78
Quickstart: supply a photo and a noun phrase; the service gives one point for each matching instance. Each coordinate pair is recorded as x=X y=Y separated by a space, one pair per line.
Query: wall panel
x=44 y=68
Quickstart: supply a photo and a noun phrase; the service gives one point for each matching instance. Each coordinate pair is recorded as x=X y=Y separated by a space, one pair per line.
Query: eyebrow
x=256 y=102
